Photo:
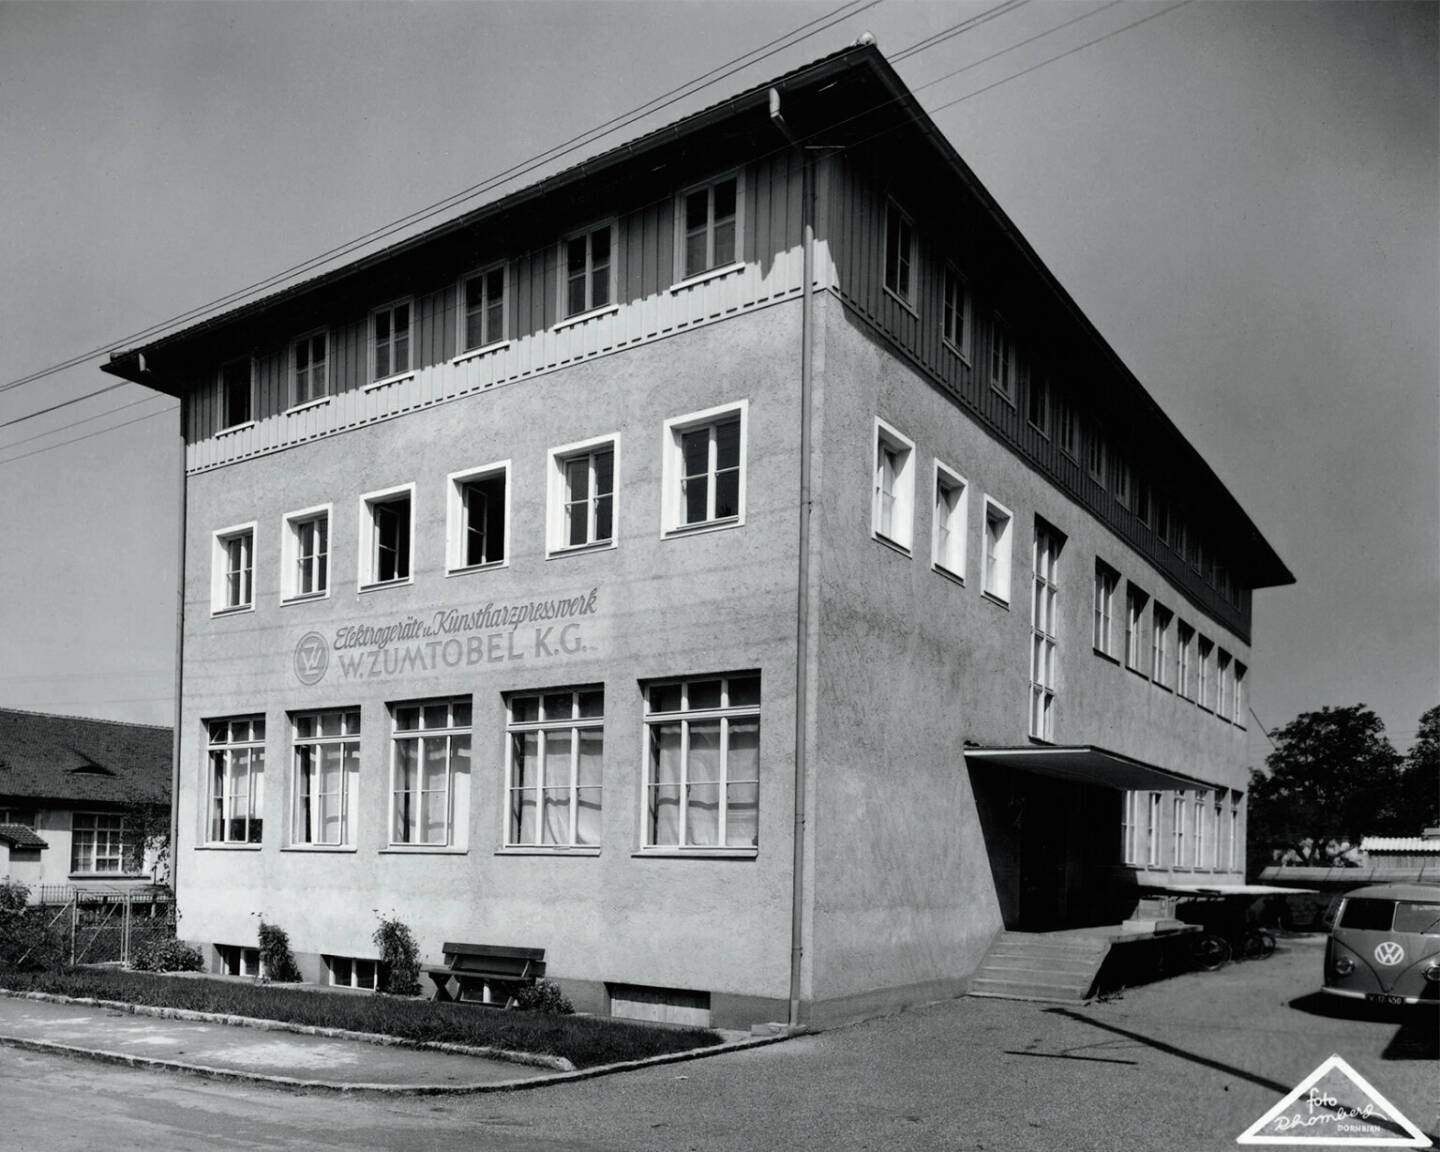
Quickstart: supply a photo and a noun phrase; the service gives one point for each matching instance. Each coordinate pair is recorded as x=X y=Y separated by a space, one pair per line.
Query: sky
x=1243 y=197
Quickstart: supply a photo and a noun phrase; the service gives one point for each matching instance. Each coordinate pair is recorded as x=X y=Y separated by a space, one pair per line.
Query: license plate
x=1382 y=998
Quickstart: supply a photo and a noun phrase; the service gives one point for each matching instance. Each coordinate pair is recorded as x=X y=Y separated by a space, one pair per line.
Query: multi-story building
x=734 y=565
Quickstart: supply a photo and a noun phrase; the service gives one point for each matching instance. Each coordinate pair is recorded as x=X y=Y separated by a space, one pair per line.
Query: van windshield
x=1412 y=916
x=1368 y=915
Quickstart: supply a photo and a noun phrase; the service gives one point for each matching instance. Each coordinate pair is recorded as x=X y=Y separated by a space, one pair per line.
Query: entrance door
x=1044 y=855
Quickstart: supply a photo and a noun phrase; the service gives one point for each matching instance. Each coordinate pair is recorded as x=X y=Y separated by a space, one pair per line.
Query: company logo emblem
x=1335 y=1106
x=312 y=658
x=1389 y=953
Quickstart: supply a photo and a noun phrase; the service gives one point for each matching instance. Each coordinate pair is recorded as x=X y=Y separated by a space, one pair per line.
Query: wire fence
x=103 y=926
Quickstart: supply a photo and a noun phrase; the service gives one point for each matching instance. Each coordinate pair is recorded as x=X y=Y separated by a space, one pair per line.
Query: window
x=1038 y=408
x=305 y=557
x=237 y=388
x=430 y=772
x=582 y=494
x=232 y=579
x=1131 y=814
x=25 y=817
x=1200 y=810
x=709 y=218
x=704 y=482
x=1106 y=579
x=98 y=844
x=1002 y=361
x=1135 y=601
x=957 y=312
x=352 y=972
x=1240 y=705
x=327 y=767
x=892 y=515
x=1120 y=478
x=1066 y=425
x=237 y=779
x=899 y=254
x=1235 y=799
x=1043 y=626
x=556 y=751
x=948 y=546
x=1161 y=618
x=238 y=960
x=1142 y=499
x=390 y=340
x=482 y=305
x=1152 y=831
x=1216 y=816
x=1162 y=519
x=1224 y=686
x=1095 y=453
x=386 y=526
x=1185 y=661
x=589 y=278
x=477 y=517
x=309 y=355
x=1177 y=830
x=997 y=551
x=1206 y=696
x=702 y=784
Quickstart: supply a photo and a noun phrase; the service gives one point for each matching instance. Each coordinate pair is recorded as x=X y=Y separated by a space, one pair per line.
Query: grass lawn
x=585 y=1041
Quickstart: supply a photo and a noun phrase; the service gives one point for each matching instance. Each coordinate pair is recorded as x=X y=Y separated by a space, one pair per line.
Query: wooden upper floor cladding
x=908 y=239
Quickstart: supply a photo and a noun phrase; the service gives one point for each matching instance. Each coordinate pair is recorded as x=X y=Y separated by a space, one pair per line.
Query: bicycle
x=1210 y=951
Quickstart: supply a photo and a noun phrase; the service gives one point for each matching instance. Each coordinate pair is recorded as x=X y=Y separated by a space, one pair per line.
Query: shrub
x=167 y=956
x=276 y=959
x=399 y=958
x=29 y=942
x=544 y=996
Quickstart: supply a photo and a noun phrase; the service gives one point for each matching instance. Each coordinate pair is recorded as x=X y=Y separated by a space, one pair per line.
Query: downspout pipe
x=175 y=741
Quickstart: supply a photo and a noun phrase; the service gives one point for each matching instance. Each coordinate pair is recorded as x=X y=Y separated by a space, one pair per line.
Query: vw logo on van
x=1389 y=953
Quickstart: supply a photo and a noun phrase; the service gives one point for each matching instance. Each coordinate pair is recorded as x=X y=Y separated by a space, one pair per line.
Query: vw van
x=1385 y=945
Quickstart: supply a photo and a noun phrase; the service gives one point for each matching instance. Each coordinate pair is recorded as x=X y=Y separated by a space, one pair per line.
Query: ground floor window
x=556 y=751
x=352 y=972
x=237 y=960
x=327 y=766
x=97 y=844
x=237 y=779
x=431 y=758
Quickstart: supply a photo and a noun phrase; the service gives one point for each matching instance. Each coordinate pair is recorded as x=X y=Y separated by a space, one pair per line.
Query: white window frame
x=221 y=603
x=1103 y=635
x=572 y=723
x=395 y=374
x=306 y=829
x=1004 y=359
x=1205 y=697
x=890 y=442
x=1152 y=831
x=1135 y=602
x=1044 y=628
x=220 y=753
x=958 y=316
x=1095 y=452
x=1236 y=799
x=950 y=528
x=591 y=307
x=1037 y=402
x=222 y=404
x=1130 y=829
x=359 y=972
x=1185 y=661
x=998 y=553
x=87 y=839
x=462 y=311
x=292 y=373
x=1120 y=478
x=1066 y=424
x=557 y=495
x=903 y=289
x=673 y=474
x=1199 y=808
x=290 y=558
x=1240 y=673
x=1178 y=816
x=1161 y=620
x=368 y=552
x=457 y=775
x=1217 y=820
x=1224 y=702
x=685 y=717
x=457 y=518
x=712 y=268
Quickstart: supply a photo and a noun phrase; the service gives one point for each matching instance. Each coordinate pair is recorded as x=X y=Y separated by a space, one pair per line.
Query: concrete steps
x=1050 y=966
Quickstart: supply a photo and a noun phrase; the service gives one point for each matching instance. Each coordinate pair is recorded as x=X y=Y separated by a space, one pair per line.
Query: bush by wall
x=544 y=996
x=167 y=956
x=276 y=959
x=399 y=958
x=28 y=942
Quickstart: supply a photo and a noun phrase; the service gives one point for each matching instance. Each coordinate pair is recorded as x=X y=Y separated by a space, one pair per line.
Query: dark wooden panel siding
x=856 y=211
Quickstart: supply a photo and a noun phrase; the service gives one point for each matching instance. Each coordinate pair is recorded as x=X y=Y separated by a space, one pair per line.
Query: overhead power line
x=88 y=435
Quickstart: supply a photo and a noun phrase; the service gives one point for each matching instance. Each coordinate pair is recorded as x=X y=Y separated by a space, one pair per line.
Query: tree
x=1416 y=802
x=1331 y=779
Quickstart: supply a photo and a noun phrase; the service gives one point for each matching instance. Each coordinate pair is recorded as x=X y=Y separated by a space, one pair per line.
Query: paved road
x=1186 y=1064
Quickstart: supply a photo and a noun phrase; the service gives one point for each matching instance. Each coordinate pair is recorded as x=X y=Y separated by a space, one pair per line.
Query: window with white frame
x=1043 y=627
x=1095 y=452
x=1037 y=408
x=1185 y=661
x=236 y=748
x=430 y=772
x=702 y=782
x=893 y=512
x=589 y=270
x=386 y=529
x=582 y=494
x=1200 y=813
x=352 y=972
x=98 y=844
x=1065 y=424
x=1206 y=695
x=1106 y=579
x=704 y=469
x=310 y=368
x=1224 y=686
x=305 y=553
x=390 y=340
x=483 y=305
x=1217 y=822
x=709 y=222
x=951 y=507
x=1178 y=817
x=327 y=770
x=1120 y=478
x=1239 y=715
x=899 y=254
x=1234 y=814
x=237 y=393
x=998 y=547
x=1135 y=601
x=1002 y=360
x=957 y=311
x=1152 y=831
x=232 y=580
x=1132 y=827
x=477 y=517
x=554 y=768
x=1161 y=619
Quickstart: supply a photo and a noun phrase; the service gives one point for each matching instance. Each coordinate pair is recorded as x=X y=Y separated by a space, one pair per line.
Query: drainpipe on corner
x=179 y=673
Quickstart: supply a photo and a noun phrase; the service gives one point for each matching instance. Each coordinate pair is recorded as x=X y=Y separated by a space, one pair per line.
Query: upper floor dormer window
x=311 y=360
x=237 y=386
x=482 y=299
x=390 y=332
x=899 y=254
x=957 y=311
x=589 y=270
x=710 y=218
x=1002 y=361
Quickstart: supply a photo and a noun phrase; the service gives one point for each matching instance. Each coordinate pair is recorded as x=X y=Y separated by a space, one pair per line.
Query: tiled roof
x=19 y=836
x=47 y=757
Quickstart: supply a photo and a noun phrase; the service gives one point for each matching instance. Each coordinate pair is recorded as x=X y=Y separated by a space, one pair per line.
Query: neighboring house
x=734 y=565
x=76 y=796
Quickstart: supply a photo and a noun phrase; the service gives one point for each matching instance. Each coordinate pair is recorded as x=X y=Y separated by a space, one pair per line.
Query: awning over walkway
x=1087 y=765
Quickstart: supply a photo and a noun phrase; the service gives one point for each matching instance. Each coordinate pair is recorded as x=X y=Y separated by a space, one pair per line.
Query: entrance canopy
x=1087 y=764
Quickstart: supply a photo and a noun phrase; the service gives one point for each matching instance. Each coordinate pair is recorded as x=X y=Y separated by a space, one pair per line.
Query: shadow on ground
x=1417 y=1038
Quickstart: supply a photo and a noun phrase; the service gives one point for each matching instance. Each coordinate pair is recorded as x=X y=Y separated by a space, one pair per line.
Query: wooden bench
x=489 y=969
